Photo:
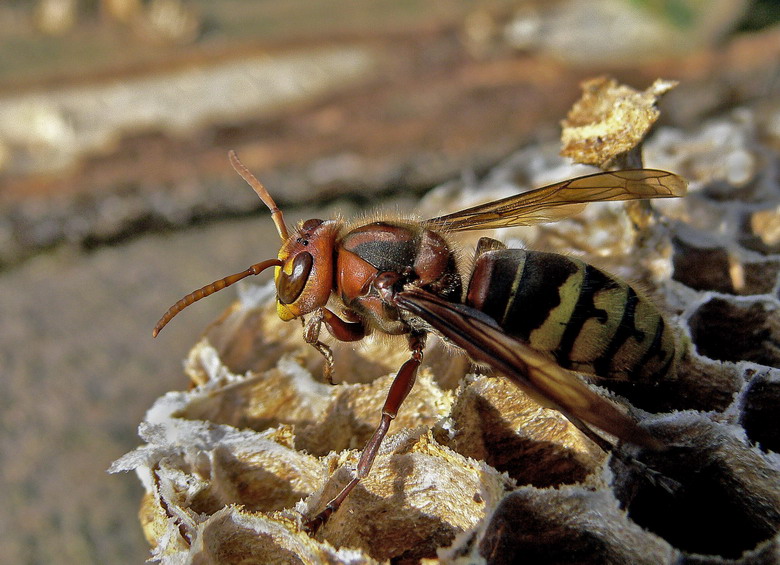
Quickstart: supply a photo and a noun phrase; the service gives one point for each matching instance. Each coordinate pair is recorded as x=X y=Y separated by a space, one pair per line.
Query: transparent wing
x=564 y=199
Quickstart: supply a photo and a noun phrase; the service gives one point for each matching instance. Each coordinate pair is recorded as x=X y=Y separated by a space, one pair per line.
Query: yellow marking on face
x=286 y=312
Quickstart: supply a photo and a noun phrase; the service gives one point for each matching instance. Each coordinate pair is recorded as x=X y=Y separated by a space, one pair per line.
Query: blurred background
x=116 y=196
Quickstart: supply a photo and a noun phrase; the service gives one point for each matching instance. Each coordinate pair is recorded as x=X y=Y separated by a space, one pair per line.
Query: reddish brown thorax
x=417 y=254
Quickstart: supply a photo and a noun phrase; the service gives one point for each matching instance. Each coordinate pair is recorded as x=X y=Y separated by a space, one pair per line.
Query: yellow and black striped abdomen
x=589 y=320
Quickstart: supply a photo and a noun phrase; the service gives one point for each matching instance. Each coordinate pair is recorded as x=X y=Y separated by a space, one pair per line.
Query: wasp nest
x=473 y=470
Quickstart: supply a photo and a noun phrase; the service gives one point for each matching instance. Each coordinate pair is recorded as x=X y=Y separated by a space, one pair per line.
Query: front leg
x=338 y=328
x=398 y=392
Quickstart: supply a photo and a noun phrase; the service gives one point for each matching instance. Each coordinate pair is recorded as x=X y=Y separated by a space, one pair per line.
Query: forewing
x=532 y=371
x=564 y=199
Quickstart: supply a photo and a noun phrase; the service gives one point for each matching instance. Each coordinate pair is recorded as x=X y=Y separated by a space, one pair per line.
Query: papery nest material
x=610 y=120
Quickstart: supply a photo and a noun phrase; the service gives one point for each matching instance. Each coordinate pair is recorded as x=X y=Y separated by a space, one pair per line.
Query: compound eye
x=289 y=287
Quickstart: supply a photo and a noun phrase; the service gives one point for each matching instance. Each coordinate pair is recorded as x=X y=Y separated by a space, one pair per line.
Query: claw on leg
x=338 y=328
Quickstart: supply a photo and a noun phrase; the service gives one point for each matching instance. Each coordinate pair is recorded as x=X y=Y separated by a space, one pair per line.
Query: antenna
x=261 y=191
x=192 y=297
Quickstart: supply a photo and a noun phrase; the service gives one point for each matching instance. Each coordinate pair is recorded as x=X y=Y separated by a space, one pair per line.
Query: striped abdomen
x=589 y=320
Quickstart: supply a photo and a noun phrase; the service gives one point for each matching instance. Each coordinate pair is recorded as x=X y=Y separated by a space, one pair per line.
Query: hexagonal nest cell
x=474 y=470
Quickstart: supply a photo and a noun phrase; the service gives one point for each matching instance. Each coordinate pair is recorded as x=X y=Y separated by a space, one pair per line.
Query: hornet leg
x=399 y=390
